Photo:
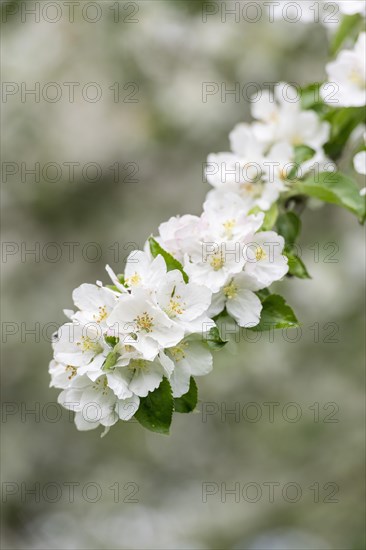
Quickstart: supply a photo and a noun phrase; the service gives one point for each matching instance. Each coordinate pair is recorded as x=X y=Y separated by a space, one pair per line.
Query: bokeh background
x=164 y=137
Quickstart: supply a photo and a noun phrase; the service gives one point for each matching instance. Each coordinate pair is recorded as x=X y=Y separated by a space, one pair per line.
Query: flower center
x=144 y=322
x=140 y=364
x=175 y=307
x=217 y=261
x=260 y=254
x=72 y=370
x=101 y=384
x=229 y=226
x=178 y=352
x=134 y=280
x=356 y=78
x=253 y=189
x=296 y=140
x=283 y=174
x=101 y=315
x=86 y=344
x=231 y=291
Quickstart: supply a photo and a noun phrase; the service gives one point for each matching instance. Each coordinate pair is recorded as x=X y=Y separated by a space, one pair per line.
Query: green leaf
x=275 y=314
x=171 y=262
x=187 y=403
x=289 y=226
x=343 y=122
x=297 y=267
x=214 y=340
x=349 y=27
x=270 y=218
x=111 y=340
x=303 y=153
x=111 y=360
x=263 y=294
x=156 y=410
x=311 y=98
x=335 y=188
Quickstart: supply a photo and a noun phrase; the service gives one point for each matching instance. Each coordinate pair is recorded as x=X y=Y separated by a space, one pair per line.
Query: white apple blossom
x=95 y=403
x=185 y=304
x=179 y=234
x=280 y=118
x=214 y=262
x=225 y=218
x=278 y=166
x=138 y=376
x=143 y=271
x=61 y=375
x=264 y=259
x=139 y=321
x=245 y=144
x=94 y=302
x=81 y=346
x=245 y=179
x=359 y=161
x=191 y=357
x=239 y=299
x=348 y=74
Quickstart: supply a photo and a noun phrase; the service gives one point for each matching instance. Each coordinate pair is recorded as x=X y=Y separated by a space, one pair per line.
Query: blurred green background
x=162 y=59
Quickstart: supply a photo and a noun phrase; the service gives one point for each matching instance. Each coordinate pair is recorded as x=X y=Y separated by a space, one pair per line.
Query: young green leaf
x=350 y=26
x=297 y=267
x=156 y=410
x=187 y=403
x=270 y=218
x=111 y=340
x=311 y=98
x=214 y=340
x=275 y=314
x=335 y=188
x=171 y=262
x=303 y=153
x=343 y=122
x=263 y=294
x=289 y=226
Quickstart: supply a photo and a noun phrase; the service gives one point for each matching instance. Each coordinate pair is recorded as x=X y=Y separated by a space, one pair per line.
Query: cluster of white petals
x=347 y=74
x=153 y=321
x=263 y=157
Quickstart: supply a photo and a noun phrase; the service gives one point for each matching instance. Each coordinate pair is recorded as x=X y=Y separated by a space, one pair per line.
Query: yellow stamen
x=86 y=344
x=178 y=352
x=175 y=307
x=229 y=226
x=144 y=322
x=134 y=280
x=357 y=78
x=231 y=291
x=102 y=314
x=72 y=370
x=260 y=254
x=138 y=364
x=217 y=261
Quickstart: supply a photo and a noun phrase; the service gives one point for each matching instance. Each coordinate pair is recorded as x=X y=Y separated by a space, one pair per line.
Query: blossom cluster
x=151 y=328
x=264 y=156
x=153 y=322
